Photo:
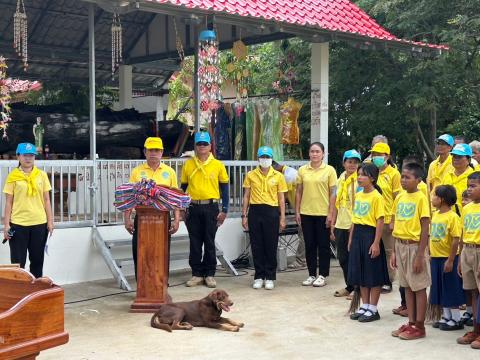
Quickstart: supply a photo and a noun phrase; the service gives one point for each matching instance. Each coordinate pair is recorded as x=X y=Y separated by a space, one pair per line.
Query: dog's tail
x=155 y=322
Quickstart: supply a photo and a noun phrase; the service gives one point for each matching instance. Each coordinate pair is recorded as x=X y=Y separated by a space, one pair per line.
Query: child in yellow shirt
x=410 y=231
x=445 y=231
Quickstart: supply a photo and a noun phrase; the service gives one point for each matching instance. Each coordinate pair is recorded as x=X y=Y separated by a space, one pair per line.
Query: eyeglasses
x=202 y=143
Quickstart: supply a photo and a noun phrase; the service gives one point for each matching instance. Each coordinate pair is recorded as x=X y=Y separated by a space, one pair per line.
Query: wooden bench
x=31 y=314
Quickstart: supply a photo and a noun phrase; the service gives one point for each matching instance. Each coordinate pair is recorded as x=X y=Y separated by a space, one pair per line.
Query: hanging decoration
x=208 y=75
x=117 y=47
x=20 y=33
x=286 y=76
x=5 y=110
x=238 y=70
x=178 y=43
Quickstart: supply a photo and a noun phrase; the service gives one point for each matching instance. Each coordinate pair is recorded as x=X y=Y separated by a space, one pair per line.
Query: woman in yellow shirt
x=264 y=199
x=314 y=203
x=342 y=216
x=457 y=176
x=28 y=214
x=389 y=182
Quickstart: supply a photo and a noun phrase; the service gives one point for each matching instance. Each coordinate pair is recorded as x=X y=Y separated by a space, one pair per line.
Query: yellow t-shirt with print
x=409 y=209
x=316 y=188
x=471 y=223
x=437 y=171
x=389 y=182
x=444 y=227
x=163 y=175
x=28 y=210
x=368 y=208
x=203 y=178
x=458 y=182
x=422 y=187
x=346 y=189
x=264 y=189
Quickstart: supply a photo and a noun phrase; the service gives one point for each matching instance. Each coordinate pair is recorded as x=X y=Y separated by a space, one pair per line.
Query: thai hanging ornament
x=117 y=47
x=20 y=33
x=208 y=75
x=5 y=109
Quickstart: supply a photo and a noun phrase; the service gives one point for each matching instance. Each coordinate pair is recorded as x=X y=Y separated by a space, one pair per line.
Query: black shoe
x=357 y=315
x=368 y=318
x=469 y=322
x=456 y=326
x=466 y=319
x=436 y=325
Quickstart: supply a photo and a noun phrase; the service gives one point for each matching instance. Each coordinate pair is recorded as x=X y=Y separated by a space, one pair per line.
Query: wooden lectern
x=152 y=260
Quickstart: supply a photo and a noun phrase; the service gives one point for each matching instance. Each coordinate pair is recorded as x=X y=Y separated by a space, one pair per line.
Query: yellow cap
x=381 y=148
x=153 y=143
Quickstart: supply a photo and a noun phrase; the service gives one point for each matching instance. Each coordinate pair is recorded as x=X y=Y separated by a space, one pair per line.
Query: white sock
x=363 y=308
x=455 y=314
x=469 y=310
x=447 y=314
x=372 y=308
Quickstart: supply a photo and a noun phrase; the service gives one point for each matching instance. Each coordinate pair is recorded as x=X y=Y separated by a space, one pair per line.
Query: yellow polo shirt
x=203 y=178
x=163 y=175
x=316 y=188
x=458 y=182
x=389 y=182
x=437 y=171
x=409 y=209
x=471 y=223
x=264 y=189
x=346 y=190
x=369 y=207
x=28 y=210
x=443 y=229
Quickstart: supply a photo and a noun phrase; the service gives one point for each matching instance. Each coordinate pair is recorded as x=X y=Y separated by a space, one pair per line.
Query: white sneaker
x=257 y=283
x=309 y=281
x=269 y=285
x=320 y=281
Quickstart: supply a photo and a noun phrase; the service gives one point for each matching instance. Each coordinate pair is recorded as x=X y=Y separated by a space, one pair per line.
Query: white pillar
x=159 y=109
x=125 y=84
x=319 y=97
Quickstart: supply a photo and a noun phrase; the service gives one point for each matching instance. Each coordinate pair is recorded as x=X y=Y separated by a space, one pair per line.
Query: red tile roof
x=340 y=16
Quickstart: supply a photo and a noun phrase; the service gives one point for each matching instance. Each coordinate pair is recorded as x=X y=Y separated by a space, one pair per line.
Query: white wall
x=74 y=258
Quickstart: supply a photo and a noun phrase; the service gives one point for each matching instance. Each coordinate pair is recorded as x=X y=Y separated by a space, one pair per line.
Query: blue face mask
x=378 y=161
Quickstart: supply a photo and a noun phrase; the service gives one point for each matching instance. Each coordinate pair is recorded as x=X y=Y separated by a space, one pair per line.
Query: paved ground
x=290 y=322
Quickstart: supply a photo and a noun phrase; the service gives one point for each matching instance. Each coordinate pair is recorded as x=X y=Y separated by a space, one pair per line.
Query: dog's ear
x=214 y=295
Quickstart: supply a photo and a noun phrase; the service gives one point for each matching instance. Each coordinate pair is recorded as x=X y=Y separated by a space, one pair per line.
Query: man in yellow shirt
x=442 y=164
x=162 y=174
x=204 y=178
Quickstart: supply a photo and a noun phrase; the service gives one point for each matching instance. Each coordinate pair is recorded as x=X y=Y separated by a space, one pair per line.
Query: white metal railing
x=72 y=193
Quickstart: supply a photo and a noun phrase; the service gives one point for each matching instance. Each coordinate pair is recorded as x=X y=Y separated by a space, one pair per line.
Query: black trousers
x=263 y=227
x=32 y=239
x=201 y=221
x=317 y=244
x=135 y=245
x=341 y=242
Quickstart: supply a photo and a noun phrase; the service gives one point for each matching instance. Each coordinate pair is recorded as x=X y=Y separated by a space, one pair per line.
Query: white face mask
x=265 y=163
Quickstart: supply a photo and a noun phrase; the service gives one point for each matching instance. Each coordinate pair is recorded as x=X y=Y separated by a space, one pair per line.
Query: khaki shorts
x=405 y=256
x=470 y=260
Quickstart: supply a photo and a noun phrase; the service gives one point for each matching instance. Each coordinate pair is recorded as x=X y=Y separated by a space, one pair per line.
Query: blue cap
x=352 y=154
x=447 y=138
x=265 y=151
x=462 y=150
x=202 y=136
x=26 y=148
x=207 y=35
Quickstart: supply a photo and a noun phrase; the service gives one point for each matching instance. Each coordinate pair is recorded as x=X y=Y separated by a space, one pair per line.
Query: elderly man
x=475 y=145
x=162 y=174
x=204 y=178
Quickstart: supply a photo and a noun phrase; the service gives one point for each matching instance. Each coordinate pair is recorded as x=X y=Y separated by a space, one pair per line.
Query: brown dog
x=205 y=312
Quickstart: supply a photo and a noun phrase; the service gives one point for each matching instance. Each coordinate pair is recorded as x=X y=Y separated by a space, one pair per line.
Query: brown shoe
x=194 y=281
x=403 y=313
x=467 y=339
x=412 y=333
x=210 y=282
x=397 y=311
x=476 y=344
x=404 y=327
